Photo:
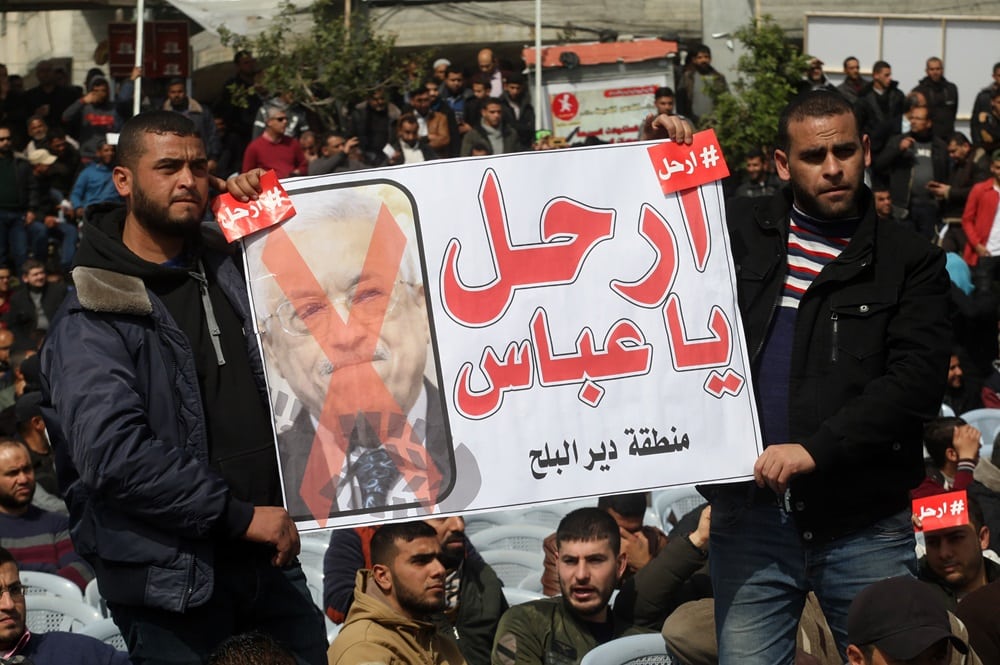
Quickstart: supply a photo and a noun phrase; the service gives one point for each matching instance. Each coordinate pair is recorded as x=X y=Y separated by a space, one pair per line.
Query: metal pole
x=538 y=65
x=140 y=23
x=347 y=14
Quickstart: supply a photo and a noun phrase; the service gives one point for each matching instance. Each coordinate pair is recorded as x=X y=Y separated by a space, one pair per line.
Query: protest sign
x=482 y=333
x=941 y=511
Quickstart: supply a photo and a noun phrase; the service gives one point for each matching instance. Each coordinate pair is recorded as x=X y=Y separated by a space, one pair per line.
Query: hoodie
x=374 y=632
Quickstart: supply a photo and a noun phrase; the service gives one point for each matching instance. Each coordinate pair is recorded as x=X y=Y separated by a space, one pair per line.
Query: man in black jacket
x=155 y=404
x=19 y=201
x=846 y=324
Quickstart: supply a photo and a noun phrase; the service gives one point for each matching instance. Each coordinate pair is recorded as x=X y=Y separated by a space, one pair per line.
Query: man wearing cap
x=899 y=620
x=31 y=431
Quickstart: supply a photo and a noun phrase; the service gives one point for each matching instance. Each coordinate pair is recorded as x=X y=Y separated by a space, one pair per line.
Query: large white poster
x=481 y=333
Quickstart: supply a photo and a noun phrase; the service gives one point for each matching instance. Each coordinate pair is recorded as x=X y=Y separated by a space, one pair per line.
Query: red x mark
x=356 y=391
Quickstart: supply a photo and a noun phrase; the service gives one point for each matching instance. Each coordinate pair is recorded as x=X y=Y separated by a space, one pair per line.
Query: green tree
x=747 y=116
x=323 y=64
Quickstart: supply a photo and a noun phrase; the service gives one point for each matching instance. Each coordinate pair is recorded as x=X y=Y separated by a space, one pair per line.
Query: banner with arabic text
x=486 y=333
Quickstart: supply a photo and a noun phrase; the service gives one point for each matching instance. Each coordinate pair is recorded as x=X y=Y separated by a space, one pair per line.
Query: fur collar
x=101 y=290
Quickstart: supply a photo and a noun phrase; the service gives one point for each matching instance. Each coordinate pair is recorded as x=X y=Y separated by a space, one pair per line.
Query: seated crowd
x=420 y=592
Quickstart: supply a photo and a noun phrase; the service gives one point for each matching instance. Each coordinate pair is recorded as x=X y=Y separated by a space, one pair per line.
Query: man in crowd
x=853 y=84
x=31 y=431
x=390 y=619
x=20 y=201
x=179 y=102
x=48 y=99
x=94 y=184
x=814 y=78
x=372 y=121
x=409 y=146
x=966 y=170
x=33 y=304
x=953 y=446
x=880 y=107
x=982 y=107
x=316 y=270
x=954 y=563
x=96 y=116
x=757 y=181
x=986 y=125
x=334 y=155
x=19 y=645
x=489 y=68
x=174 y=499
x=942 y=98
x=563 y=629
x=663 y=101
x=240 y=118
x=38 y=538
x=913 y=161
x=700 y=84
x=474 y=601
x=640 y=543
x=824 y=411
x=982 y=236
x=518 y=111
x=492 y=132
x=899 y=620
x=432 y=126
x=274 y=149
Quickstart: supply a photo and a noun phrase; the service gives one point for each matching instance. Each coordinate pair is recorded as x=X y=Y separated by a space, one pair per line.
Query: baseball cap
x=901 y=616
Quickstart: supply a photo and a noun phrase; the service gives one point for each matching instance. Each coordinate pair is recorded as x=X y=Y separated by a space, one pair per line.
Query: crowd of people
x=865 y=309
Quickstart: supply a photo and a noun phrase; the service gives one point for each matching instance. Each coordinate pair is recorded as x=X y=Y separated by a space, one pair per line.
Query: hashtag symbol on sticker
x=709 y=156
x=729 y=383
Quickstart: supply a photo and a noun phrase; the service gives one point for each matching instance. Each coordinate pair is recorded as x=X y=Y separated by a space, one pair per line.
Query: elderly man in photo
x=340 y=302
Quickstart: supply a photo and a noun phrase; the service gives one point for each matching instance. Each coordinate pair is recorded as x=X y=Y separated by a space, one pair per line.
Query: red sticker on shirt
x=942 y=511
x=678 y=166
x=238 y=219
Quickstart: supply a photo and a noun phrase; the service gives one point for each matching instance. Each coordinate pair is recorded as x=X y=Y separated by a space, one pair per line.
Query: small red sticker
x=237 y=219
x=678 y=166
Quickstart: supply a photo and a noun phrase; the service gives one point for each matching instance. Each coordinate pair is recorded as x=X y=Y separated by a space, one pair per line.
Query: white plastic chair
x=946 y=411
x=518 y=537
x=314 y=580
x=106 y=631
x=987 y=421
x=312 y=551
x=512 y=567
x=648 y=649
x=92 y=596
x=549 y=515
x=482 y=521
x=37 y=583
x=673 y=503
x=50 y=613
x=518 y=596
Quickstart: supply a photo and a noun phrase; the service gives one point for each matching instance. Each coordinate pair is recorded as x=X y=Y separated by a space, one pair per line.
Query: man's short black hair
x=419 y=90
x=481 y=79
x=454 y=69
x=251 y=649
x=239 y=55
x=516 y=77
x=6 y=557
x=938 y=435
x=959 y=138
x=31 y=264
x=754 y=153
x=586 y=524
x=383 y=546
x=176 y=81
x=848 y=59
x=814 y=104
x=698 y=49
x=626 y=505
x=880 y=65
x=130 y=141
x=663 y=91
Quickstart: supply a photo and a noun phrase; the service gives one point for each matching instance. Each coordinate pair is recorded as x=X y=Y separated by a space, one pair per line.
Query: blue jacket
x=125 y=417
x=58 y=648
x=94 y=185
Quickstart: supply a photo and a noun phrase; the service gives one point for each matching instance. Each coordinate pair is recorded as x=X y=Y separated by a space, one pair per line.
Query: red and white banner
x=483 y=333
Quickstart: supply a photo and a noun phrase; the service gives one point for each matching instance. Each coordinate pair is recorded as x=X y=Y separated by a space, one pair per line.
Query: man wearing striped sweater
x=847 y=327
x=38 y=539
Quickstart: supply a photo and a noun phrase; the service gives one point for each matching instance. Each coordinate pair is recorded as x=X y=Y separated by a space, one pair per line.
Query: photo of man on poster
x=338 y=293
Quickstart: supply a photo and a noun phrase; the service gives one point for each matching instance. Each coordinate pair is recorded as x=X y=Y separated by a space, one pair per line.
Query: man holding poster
x=341 y=307
x=846 y=321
